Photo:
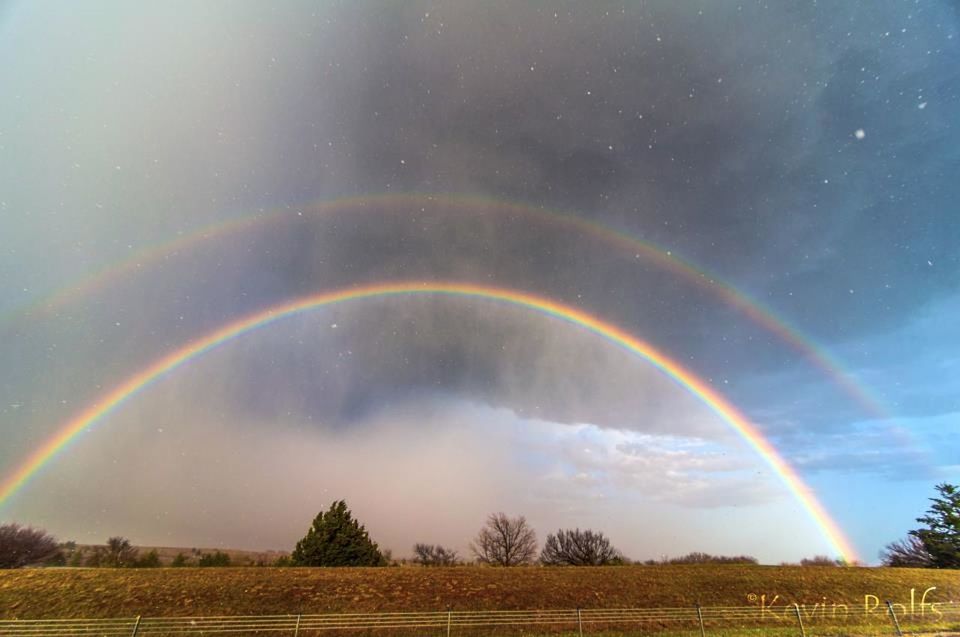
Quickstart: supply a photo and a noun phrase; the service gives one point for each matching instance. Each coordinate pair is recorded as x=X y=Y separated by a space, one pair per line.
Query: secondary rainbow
x=630 y=246
x=699 y=388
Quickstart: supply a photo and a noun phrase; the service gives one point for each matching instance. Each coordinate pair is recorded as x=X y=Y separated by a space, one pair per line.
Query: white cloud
x=424 y=471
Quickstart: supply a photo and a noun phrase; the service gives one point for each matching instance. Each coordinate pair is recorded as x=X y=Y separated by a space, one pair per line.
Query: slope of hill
x=65 y=592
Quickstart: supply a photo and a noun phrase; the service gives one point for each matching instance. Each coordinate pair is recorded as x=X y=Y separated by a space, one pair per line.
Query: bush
x=909 y=552
x=579 y=548
x=150 y=560
x=434 y=555
x=95 y=558
x=58 y=559
x=179 y=561
x=217 y=558
x=118 y=553
x=705 y=558
x=76 y=558
x=23 y=546
x=821 y=560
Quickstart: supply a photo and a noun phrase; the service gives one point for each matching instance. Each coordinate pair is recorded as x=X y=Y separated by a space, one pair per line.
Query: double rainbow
x=626 y=244
x=696 y=386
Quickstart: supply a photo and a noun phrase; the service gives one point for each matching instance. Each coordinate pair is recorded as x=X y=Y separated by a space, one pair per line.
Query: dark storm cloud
x=539 y=367
x=344 y=364
x=659 y=119
x=654 y=118
x=739 y=151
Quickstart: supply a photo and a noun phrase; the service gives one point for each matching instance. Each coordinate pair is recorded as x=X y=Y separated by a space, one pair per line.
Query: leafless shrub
x=578 y=548
x=909 y=552
x=23 y=545
x=820 y=560
x=434 y=555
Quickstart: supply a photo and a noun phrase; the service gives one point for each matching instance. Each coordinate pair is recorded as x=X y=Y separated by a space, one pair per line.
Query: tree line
x=336 y=538
x=26 y=546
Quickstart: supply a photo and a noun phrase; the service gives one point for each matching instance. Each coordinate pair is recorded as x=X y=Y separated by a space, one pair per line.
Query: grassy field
x=64 y=592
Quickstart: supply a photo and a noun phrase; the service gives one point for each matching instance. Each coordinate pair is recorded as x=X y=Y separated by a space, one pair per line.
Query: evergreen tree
x=336 y=539
x=941 y=538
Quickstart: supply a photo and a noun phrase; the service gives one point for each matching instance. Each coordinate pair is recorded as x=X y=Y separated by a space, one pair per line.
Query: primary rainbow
x=719 y=405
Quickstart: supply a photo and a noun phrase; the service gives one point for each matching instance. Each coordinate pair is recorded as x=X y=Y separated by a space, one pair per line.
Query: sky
x=168 y=168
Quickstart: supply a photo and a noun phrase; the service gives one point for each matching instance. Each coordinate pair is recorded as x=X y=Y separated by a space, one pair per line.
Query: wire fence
x=794 y=620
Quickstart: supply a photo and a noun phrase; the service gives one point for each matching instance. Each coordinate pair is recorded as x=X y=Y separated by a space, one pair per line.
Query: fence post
x=449 y=619
x=796 y=607
x=580 y=622
x=703 y=633
x=136 y=627
x=296 y=629
x=896 y=622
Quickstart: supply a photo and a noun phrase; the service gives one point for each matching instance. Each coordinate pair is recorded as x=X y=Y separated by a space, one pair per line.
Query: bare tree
x=505 y=541
x=578 y=548
x=434 y=555
x=23 y=545
x=909 y=552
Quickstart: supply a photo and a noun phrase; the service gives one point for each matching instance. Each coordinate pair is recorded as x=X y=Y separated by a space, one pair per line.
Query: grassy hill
x=81 y=592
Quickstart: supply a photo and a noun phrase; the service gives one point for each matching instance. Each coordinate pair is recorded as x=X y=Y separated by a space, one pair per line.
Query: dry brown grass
x=227 y=591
